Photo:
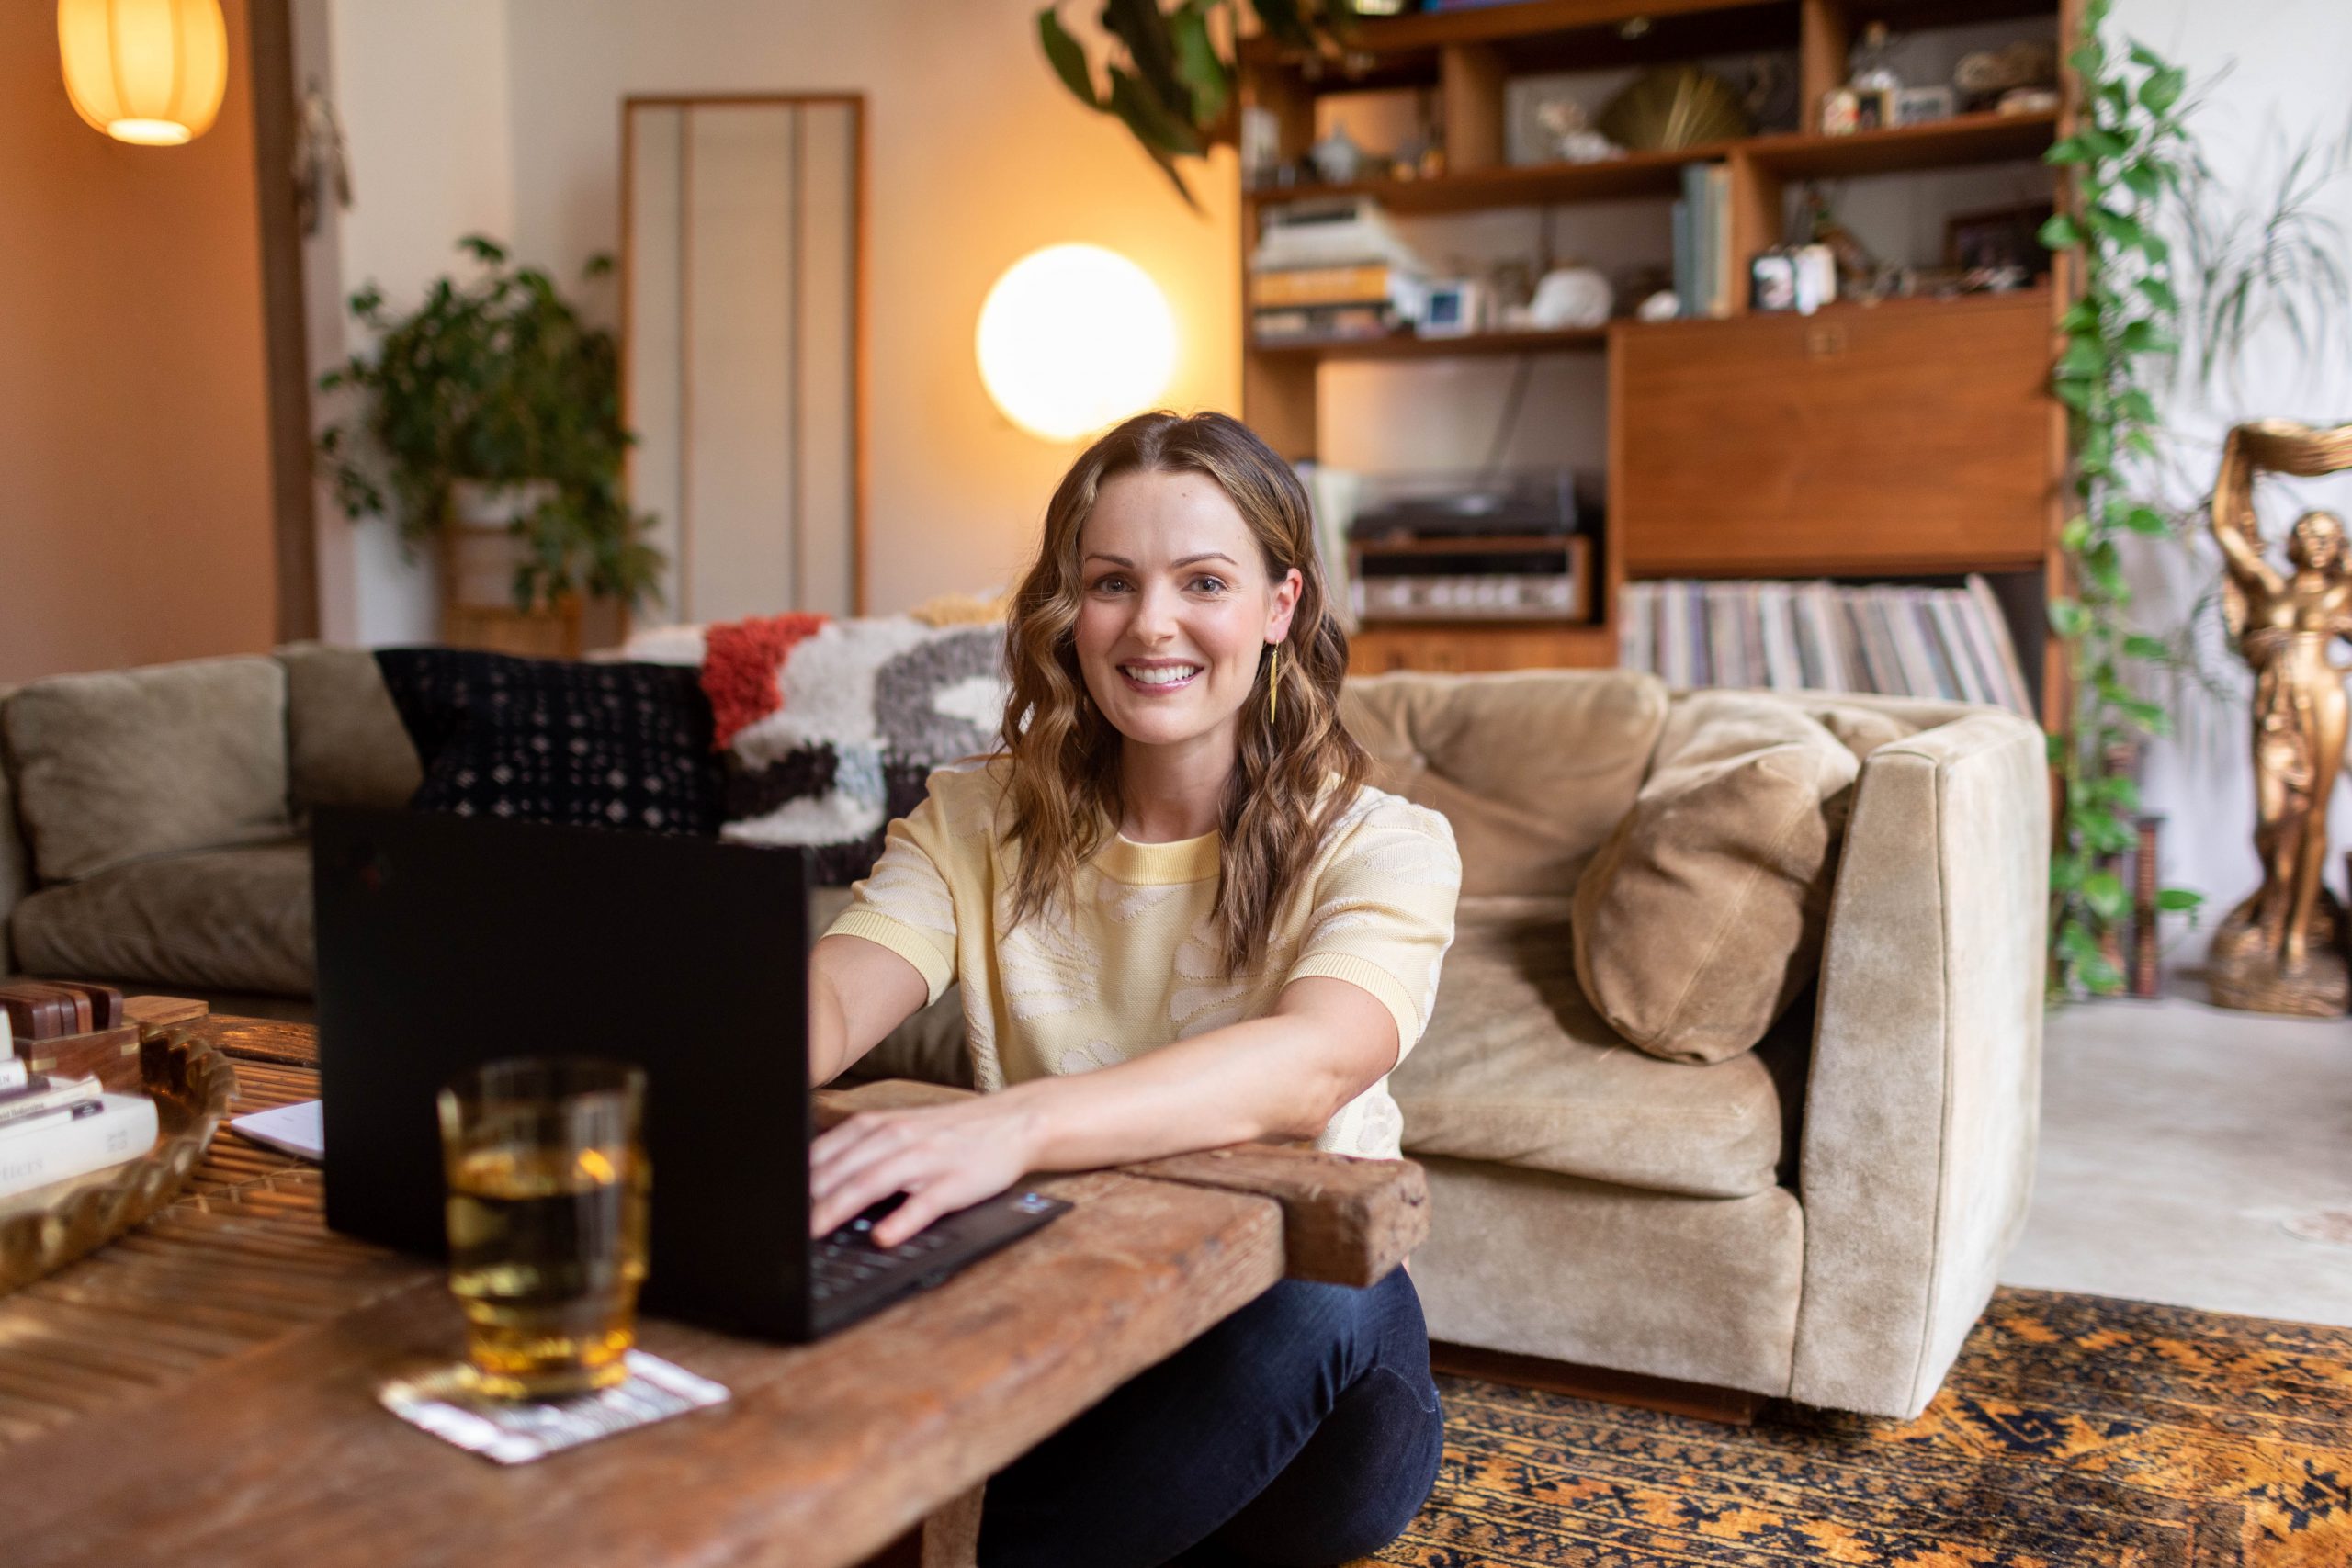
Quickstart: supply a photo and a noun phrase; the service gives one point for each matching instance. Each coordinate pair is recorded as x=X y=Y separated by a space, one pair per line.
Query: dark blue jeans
x=1304 y=1429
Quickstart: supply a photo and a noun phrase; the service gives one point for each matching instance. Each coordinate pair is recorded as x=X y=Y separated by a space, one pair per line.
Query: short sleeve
x=1382 y=916
x=907 y=904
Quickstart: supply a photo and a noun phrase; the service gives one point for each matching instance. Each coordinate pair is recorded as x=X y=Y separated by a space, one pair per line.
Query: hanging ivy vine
x=2127 y=158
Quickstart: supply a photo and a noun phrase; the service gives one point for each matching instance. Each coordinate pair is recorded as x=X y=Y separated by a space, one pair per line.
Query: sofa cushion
x=1533 y=768
x=1518 y=1069
x=115 y=766
x=1702 y=917
x=235 y=920
x=558 y=741
x=344 y=741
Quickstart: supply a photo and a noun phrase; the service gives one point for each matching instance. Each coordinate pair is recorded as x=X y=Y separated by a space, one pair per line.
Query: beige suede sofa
x=1818 y=1217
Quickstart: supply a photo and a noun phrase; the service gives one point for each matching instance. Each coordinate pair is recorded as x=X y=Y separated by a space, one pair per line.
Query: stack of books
x=56 y=1127
x=1704 y=270
x=1923 y=642
x=1333 y=269
x=1318 y=303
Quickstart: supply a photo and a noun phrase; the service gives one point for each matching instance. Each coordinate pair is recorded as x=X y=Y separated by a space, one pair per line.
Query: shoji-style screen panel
x=742 y=262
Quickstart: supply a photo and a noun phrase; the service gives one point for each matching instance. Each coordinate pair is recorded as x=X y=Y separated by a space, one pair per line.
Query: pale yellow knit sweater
x=1125 y=965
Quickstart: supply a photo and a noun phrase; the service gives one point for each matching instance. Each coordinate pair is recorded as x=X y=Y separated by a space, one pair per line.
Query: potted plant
x=493 y=405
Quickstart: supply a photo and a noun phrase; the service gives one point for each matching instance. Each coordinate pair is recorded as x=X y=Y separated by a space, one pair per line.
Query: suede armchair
x=1820 y=1218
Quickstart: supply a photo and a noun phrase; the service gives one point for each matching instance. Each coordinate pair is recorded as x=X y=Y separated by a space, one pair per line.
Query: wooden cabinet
x=1457 y=649
x=1914 y=436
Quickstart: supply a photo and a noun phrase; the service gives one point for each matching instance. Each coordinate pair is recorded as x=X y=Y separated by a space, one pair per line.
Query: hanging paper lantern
x=145 y=71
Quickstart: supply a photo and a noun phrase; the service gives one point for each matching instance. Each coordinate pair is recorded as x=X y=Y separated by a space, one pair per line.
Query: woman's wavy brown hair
x=1293 y=777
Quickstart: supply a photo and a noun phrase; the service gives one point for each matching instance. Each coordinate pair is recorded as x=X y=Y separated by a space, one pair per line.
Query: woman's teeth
x=1166 y=675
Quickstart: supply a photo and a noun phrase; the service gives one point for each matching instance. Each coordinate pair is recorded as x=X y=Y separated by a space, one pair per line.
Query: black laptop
x=446 y=940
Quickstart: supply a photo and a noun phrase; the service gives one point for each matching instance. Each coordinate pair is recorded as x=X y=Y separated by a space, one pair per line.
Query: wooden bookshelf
x=1409 y=345
x=1907 y=438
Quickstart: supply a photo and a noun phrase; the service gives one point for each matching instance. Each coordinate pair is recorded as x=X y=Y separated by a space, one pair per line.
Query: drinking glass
x=548 y=1183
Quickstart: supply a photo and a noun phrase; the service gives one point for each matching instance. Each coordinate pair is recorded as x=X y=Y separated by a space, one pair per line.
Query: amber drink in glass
x=548 y=1182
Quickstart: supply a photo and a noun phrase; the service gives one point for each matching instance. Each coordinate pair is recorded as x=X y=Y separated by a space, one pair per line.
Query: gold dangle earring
x=1273 y=677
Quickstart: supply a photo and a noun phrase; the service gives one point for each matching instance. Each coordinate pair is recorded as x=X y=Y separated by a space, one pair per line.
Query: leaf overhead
x=1069 y=60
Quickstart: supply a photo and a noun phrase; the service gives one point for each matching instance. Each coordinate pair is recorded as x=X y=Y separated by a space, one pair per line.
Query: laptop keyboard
x=847 y=1258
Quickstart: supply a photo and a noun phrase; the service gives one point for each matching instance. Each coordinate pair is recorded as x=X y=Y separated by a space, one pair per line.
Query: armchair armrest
x=1924 y=1103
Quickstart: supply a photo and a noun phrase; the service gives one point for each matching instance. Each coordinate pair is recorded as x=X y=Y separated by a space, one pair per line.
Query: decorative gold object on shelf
x=2280 y=951
x=1673 y=106
x=192 y=1084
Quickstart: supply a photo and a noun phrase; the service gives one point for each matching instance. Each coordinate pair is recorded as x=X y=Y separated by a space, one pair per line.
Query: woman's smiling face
x=1176 y=608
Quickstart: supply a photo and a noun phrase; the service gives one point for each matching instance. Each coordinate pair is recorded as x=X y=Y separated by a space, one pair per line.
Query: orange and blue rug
x=2074 y=1432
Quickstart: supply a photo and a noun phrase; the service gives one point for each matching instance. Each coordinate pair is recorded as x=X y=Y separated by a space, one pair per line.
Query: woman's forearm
x=1212 y=1090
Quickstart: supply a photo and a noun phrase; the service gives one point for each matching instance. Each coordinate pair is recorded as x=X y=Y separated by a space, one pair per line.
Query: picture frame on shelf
x=1456 y=307
x=1846 y=111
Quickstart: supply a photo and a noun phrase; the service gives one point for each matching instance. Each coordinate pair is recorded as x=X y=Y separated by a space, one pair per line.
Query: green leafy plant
x=500 y=381
x=2127 y=157
x=1171 y=73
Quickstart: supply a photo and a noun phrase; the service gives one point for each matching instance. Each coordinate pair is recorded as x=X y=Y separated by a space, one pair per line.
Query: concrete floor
x=2194 y=1156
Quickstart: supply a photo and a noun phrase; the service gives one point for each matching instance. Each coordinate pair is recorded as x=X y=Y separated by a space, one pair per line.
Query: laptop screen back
x=444 y=942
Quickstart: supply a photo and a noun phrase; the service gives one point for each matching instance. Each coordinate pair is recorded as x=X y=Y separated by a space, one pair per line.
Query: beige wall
x=976 y=157
x=134 y=463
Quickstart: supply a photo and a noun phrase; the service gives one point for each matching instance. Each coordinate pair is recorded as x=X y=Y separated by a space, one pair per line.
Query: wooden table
x=201 y=1391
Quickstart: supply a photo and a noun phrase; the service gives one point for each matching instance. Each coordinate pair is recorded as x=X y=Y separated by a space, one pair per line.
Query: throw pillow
x=1701 y=916
x=345 y=740
x=832 y=729
x=550 y=740
x=117 y=766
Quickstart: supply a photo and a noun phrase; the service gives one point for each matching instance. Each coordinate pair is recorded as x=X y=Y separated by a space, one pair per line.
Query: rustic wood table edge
x=200 y=1389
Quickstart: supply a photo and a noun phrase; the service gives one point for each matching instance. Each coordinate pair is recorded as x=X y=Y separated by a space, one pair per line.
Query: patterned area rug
x=2074 y=1432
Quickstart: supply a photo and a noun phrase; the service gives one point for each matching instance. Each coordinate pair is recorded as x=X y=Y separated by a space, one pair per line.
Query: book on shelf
x=1366 y=283
x=95 y=1135
x=1324 y=323
x=1949 y=643
x=1704 y=264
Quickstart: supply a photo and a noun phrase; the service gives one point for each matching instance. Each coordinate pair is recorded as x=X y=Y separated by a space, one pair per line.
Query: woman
x=1181 y=920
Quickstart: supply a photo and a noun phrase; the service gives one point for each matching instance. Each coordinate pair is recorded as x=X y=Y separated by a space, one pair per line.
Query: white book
x=1630 y=652
x=1995 y=627
x=1675 y=631
x=1949 y=609
x=1752 y=669
x=122 y=1128
x=1776 y=614
x=40 y=1097
x=1878 y=643
x=1825 y=625
x=1724 y=651
x=12 y=1067
x=1916 y=665
x=1918 y=606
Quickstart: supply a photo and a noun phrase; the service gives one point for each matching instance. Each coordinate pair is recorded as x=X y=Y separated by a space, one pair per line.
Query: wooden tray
x=191 y=1083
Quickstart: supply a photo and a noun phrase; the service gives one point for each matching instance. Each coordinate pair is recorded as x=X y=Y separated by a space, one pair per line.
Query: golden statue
x=2281 y=950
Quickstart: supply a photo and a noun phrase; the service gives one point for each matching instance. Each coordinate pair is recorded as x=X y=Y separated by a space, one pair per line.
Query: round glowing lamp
x=150 y=72
x=1073 y=338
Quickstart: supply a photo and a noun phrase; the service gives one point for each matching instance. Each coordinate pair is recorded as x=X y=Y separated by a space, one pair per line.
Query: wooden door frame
x=860 y=208
x=269 y=35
